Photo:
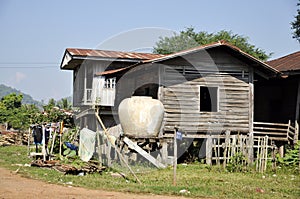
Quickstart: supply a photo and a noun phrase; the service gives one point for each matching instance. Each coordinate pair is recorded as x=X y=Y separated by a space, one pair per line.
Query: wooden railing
x=277 y=131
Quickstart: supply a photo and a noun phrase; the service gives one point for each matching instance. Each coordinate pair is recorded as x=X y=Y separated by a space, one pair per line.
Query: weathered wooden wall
x=140 y=81
x=83 y=78
x=181 y=94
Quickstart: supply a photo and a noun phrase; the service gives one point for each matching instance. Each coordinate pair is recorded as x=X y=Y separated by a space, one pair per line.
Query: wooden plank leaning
x=113 y=145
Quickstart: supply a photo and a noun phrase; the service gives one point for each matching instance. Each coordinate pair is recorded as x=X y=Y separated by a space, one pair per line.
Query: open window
x=149 y=90
x=209 y=99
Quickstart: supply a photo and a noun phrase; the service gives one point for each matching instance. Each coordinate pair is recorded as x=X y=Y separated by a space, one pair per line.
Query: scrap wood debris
x=89 y=167
x=46 y=163
x=8 y=138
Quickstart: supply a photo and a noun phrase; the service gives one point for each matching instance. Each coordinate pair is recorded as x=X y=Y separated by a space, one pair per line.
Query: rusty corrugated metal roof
x=286 y=63
x=111 y=54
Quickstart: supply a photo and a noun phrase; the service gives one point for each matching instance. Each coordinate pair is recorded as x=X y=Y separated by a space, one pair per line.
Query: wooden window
x=208 y=99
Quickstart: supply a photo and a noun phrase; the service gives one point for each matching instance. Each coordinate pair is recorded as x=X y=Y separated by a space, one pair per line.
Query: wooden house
x=206 y=91
x=90 y=90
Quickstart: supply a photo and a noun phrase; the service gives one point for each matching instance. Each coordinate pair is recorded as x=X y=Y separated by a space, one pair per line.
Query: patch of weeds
x=290 y=161
x=237 y=163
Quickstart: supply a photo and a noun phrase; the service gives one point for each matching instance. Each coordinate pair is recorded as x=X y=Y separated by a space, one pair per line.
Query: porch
x=277 y=131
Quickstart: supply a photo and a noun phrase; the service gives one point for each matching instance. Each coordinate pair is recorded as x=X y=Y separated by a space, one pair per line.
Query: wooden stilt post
x=208 y=150
x=111 y=141
x=164 y=151
x=251 y=117
x=281 y=151
x=251 y=148
x=219 y=153
x=175 y=157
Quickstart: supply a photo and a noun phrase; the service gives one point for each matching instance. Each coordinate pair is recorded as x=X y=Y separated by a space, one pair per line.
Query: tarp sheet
x=86 y=144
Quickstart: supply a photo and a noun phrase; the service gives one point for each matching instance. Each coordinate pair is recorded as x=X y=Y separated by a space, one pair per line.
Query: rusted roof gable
x=286 y=63
x=76 y=53
x=111 y=54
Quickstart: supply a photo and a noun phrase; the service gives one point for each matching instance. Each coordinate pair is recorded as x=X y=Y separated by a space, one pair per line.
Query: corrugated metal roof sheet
x=286 y=63
x=111 y=54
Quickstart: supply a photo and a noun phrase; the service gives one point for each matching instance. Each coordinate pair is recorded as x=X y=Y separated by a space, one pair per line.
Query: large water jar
x=141 y=116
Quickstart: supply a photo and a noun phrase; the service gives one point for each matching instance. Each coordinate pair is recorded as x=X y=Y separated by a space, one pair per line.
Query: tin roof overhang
x=289 y=64
x=73 y=57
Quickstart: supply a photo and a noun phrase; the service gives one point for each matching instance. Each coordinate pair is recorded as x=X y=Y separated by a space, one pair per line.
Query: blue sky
x=34 y=34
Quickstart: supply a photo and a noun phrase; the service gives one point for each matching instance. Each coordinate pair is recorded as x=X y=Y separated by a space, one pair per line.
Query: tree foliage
x=296 y=24
x=21 y=116
x=188 y=38
x=12 y=112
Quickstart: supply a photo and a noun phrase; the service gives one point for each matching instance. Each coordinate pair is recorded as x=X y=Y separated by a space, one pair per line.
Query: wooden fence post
x=296 y=132
x=288 y=130
x=227 y=141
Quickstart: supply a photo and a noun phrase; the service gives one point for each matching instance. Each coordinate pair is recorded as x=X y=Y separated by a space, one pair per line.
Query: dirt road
x=14 y=186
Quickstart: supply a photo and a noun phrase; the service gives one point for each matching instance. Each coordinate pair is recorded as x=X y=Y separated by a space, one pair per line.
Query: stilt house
x=205 y=90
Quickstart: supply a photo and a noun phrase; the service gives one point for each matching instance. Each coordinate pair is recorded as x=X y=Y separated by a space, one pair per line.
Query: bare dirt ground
x=14 y=186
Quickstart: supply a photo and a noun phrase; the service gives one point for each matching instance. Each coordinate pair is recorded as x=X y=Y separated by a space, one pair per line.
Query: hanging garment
x=86 y=144
x=37 y=134
x=47 y=135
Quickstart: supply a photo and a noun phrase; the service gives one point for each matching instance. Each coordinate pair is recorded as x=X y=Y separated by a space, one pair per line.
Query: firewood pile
x=89 y=167
x=8 y=138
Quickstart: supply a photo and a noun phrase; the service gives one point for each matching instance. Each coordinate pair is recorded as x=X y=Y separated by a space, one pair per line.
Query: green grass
x=200 y=180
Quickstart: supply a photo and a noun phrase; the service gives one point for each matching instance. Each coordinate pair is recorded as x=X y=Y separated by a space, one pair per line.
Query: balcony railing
x=105 y=98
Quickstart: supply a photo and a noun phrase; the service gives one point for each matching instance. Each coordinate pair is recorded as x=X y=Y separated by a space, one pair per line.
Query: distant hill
x=27 y=99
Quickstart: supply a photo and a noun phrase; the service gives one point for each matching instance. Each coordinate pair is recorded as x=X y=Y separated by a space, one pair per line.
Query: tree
x=188 y=38
x=15 y=114
x=64 y=103
x=58 y=111
x=296 y=24
x=50 y=105
x=21 y=116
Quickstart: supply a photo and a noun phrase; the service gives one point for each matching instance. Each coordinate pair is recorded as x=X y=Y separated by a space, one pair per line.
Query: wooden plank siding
x=136 y=81
x=177 y=84
x=181 y=98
